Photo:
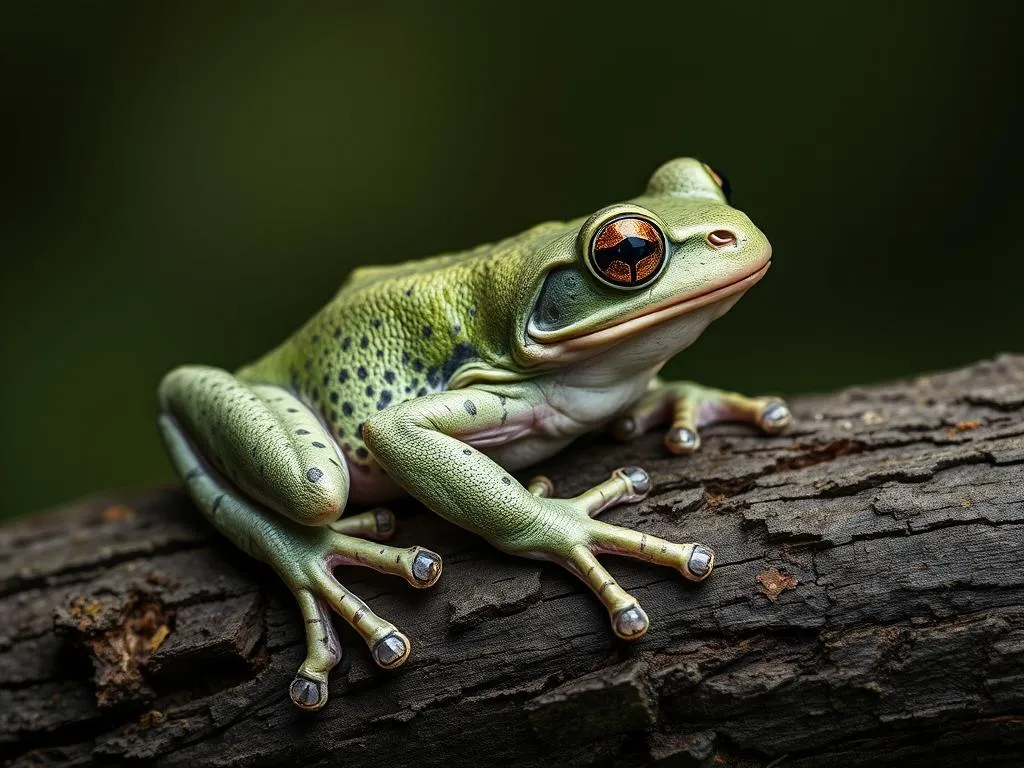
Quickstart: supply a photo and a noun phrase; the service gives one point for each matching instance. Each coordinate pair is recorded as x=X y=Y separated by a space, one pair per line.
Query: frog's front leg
x=263 y=469
x=687 y=407
x=418 y=443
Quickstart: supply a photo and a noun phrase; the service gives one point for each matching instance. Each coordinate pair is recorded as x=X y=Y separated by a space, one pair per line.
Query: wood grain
x=867 y=608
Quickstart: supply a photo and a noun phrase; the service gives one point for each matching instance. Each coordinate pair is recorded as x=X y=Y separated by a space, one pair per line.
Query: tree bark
x=867 y=608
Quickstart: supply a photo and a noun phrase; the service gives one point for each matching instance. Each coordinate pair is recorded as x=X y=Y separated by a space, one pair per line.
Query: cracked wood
x=867 y=609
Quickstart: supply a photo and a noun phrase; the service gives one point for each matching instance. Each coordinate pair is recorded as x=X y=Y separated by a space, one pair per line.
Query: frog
x=442 y=378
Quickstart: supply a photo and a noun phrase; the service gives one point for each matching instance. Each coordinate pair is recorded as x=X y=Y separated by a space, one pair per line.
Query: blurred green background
x=187 y=182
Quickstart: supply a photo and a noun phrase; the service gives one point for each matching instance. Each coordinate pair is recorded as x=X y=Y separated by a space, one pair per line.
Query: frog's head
x=659 y=267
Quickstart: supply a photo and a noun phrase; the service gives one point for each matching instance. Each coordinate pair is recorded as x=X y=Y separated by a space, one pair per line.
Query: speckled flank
x=357 y=357
x=347 y=379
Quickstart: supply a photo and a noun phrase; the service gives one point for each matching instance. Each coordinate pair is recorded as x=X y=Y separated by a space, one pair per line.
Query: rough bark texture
x=867 y=608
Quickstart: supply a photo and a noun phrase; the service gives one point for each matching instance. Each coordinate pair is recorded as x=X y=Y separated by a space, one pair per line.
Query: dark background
x=187 y=182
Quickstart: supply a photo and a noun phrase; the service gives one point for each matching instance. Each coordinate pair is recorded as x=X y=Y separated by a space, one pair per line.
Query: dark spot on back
x=359 y=430
x=364 y=342
x=313 y=474
x=346 y=408
x=301 y=431
x=417 y=365
x=362 y=453
x=343 y=375
x=361 y=372
x=389 y=377
x=467 y=451
x=506 y=481
x=369 y=390
x=470 y=407
x=293 y=410
x=334 y=397
x=376 y=322
x=428 y=331
x=462 y=353
x=317 y=444
x=385 y=399
x=346 y=343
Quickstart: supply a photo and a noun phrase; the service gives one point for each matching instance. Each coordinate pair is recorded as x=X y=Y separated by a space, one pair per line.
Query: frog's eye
x=721 y=180
x=628 y=252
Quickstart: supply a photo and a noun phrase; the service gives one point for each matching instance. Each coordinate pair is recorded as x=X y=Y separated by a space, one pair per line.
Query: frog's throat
x=578 y=347
x=542 y=357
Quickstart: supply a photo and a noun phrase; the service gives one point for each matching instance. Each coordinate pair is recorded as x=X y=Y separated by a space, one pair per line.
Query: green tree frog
x=440 y=378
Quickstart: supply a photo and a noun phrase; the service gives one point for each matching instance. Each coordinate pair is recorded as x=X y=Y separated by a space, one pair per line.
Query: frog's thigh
x=263 y=439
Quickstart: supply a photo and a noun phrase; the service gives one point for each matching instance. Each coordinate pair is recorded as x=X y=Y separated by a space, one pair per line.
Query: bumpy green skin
x=438 y=378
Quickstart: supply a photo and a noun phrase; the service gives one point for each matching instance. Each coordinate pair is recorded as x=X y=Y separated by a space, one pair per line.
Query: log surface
x=867 y=608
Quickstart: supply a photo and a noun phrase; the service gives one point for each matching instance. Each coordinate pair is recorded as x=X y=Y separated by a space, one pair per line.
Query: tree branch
x=867 y=608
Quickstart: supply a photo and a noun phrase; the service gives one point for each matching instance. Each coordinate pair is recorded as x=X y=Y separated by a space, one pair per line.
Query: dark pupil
x=630 y=250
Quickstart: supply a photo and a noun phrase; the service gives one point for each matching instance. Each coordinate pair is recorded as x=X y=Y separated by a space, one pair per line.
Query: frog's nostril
x=721 y=238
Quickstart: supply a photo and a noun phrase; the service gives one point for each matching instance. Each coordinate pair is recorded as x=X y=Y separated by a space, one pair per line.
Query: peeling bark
x=867 y=608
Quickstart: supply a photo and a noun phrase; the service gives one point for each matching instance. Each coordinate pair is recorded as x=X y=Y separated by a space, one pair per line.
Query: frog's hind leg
x=688 y=407
x=247 y=453
x=262 y=439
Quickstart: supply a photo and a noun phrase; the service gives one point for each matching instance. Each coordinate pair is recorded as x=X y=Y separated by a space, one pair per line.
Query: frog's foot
x=690 y=406
x=298 y=474
x=307 y=568
x=569 y=536
x=377 y=524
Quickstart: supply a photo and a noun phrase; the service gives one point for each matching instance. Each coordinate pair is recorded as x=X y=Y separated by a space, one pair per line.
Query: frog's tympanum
x=441 y=378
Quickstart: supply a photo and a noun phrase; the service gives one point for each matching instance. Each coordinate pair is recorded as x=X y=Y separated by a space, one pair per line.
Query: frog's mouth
x=566 y=348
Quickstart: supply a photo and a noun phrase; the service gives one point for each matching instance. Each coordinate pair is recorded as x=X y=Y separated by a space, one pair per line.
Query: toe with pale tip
x=308 y=693
x=637 y=479
x=541 y=486
x=624 y=428
x=775 y=417
x=385 y=520
x=391 y=651
x=426 y=568
x=700 y=563
x=682 y=440
x=630 y=623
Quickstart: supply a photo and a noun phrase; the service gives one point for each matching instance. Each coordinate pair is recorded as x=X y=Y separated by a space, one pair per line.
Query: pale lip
x=567 y=348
